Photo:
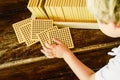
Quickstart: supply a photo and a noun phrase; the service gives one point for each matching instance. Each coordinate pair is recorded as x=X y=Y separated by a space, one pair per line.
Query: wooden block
x=74 y=10
x=43 y=36
x=59 y=11
x=63 y=35
x=64 y=2
x=42 y=9
x=35 y=7
x=53 y=10
x=30 y=7
x=66 y=10
x=50 y=8
x=17 y=26
x=90 y=16
x=39 y=25
x=70 y=5
x=83 y=13
x=47 y=8
x=80 y=10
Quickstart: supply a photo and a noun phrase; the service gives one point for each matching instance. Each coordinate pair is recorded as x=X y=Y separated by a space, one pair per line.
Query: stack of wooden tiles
x=32 y=31
x=68 y=10
x=61 y=10
x=37 y=8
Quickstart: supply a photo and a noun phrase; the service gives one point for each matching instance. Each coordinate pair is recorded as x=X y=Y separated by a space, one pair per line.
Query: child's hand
x=55 y=50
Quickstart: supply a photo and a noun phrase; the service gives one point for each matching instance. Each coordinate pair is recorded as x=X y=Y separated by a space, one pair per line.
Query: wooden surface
x=91 y=47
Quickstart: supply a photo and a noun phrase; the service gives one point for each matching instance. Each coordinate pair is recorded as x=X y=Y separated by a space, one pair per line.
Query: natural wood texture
x=91 y=47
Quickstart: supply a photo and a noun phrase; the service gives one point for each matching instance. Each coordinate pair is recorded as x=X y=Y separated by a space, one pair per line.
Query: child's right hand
x=57 y=50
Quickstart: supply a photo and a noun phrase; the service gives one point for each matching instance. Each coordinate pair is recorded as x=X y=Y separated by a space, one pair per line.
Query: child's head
x=107 y=13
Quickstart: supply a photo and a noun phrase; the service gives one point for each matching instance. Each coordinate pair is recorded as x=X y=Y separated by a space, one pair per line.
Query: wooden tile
x=43 y=36
x=26 y=32
x=17 y=26
x=39 y=25
x=63 y=35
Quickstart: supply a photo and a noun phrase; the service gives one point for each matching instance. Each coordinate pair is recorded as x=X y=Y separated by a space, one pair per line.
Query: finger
x=46 y=49
x=48 y=45
x=48 y=55
x=43 y=51
x=57 y=41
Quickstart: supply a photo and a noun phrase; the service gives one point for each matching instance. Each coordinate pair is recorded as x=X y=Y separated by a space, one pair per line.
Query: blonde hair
x=105 y=10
